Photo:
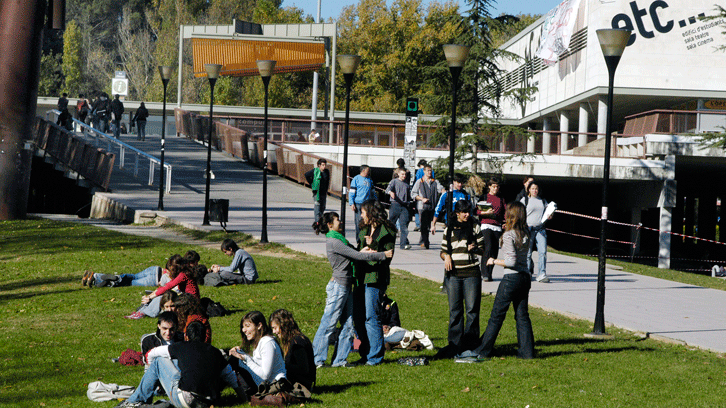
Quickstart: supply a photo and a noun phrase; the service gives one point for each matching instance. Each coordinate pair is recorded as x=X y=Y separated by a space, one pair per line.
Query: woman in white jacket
x=265 y=363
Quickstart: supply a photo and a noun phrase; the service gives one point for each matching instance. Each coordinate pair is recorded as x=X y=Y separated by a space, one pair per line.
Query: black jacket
x=324 y=180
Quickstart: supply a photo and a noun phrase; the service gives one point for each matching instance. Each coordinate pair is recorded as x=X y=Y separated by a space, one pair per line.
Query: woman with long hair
x=461 y=244
x=266 y=362
x=339 y=301
x=188 y=309
x=514 y=287
x=296 y=347
x=371 y=281
x=181 y=275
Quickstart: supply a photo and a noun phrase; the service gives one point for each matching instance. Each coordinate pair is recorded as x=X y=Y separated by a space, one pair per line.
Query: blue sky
x=332 y=8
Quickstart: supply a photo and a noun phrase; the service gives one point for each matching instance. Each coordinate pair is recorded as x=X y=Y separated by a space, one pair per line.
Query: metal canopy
x=238 y=55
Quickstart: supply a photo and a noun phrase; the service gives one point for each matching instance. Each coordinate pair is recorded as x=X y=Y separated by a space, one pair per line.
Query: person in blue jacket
x=361 y=191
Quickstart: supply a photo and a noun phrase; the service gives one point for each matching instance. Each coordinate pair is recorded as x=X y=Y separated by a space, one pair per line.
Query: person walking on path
x=361 y=190
x=426 y=191
x=458 y=194
x=319 y=180
x=117 y=111
x=419 y=174
x=514 y=288
x=140 y=119
x=461 y=244
x=400 y=192
x=491 y=216
x=371 y=281
x=339 y=301
x=535 y=207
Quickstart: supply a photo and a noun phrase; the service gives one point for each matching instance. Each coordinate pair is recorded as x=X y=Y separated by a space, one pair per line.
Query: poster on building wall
x=557 y=31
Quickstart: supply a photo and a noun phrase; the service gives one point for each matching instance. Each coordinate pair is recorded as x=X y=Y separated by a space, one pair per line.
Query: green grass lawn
x=58 y=336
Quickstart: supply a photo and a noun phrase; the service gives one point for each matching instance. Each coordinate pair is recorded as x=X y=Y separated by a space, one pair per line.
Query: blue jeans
x=338 y=308
x=538 y=238
x=464 y=293
x=164 y=371
x=399 y=216
x=368 y=323
x=514 y=288
x=357 y=221
x=147 y=277
x=319 y=208
x=153 y=308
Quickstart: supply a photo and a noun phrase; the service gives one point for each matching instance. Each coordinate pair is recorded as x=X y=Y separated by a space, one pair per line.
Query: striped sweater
x=466 y=263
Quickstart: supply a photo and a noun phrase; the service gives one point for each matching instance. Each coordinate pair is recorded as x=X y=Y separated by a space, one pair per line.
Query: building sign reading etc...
x=648 y=21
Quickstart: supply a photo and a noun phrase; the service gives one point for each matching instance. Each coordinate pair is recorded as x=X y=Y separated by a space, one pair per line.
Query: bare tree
x=136 y=54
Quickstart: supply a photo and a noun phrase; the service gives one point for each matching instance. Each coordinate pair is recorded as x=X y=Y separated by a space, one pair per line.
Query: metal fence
x=122 y=150
x=84 y=159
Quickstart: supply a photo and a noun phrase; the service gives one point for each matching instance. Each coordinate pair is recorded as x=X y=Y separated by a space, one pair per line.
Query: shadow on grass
x=338 y=388
x=39 y=281
x=35 y=283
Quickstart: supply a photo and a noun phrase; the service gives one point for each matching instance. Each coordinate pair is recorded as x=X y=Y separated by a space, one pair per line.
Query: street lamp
x=612 y=42
x=455 y=56
x=165 y=73
x=212 y=75
x=265 y=67
x=348 y=64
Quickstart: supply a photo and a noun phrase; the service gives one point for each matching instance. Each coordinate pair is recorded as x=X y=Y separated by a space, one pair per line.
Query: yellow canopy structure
x=238 y=56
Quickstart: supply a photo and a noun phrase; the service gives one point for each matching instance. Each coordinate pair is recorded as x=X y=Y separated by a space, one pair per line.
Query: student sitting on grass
x=182 y=276
x=188 y=310
x=167 y=333
x=296 y=347
x=241 y=270
x=266 y=362
x=194 y=381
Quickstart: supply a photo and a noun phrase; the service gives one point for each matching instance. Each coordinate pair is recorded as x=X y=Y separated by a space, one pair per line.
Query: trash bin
x=218 y=210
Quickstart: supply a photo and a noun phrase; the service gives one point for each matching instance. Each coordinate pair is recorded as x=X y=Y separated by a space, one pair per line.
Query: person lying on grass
x=151 y=276
x=241 y=270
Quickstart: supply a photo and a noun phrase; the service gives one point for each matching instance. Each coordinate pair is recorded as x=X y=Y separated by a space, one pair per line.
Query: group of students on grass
x=361 y=274
x=356 y=299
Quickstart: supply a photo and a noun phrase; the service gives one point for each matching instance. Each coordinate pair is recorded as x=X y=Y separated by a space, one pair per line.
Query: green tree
x=72 y=59
x=397 y=46
x=50 y=76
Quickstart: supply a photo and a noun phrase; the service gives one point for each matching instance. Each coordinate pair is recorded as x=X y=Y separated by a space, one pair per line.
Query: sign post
x=409 y=146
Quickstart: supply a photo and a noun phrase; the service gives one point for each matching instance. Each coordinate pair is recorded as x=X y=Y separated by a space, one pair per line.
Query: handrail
x=97 y=135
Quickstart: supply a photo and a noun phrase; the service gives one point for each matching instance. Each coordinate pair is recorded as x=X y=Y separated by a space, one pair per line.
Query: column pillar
x=602 y=114
x=546 y=135
x=564 y=128
x=582 y=128
x=666 y=202
x=530 y=140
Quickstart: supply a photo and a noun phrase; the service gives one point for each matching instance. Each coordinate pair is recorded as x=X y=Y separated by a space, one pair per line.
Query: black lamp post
x=348 y=64
x=165 y=73
x=455 y=56
x=212 y=75
x=612 y=42
x=265 y=67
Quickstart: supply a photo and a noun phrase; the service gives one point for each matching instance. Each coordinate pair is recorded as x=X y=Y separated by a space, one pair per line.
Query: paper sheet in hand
x=549 y=210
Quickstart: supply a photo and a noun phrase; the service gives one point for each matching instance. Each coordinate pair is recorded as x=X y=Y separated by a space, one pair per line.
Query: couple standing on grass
x=355 y=291
x=461 y=243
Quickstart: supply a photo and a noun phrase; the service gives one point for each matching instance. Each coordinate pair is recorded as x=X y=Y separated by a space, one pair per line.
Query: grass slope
x=57 y=336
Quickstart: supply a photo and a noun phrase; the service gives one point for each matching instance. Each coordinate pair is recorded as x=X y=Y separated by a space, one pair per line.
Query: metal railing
x=113 y=144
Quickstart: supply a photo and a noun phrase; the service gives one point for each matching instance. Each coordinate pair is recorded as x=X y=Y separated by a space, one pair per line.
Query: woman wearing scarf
x=339 y=301
x=319 y=179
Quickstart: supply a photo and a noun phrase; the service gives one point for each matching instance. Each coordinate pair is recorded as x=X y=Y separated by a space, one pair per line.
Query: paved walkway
x=660 y=308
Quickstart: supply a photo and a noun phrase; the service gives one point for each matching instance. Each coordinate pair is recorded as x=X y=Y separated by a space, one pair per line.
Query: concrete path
x=659 y=308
